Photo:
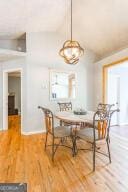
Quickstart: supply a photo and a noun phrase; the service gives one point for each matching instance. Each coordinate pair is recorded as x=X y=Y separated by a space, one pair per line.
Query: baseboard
x=123 y=124
x=114 y=125
x=32 y=132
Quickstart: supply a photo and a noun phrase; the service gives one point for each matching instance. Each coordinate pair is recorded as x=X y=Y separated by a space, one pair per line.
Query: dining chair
x=101 y=106
x=99 y=131
x=105 y=107
x=65 y=106
x=59 y=132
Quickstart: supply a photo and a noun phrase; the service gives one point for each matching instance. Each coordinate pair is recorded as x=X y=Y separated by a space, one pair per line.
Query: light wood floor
x=14 y=122
x=23 y=159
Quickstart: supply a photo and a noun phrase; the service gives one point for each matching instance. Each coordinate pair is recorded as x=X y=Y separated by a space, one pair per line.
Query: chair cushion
x=62 y=131
x=87 y=134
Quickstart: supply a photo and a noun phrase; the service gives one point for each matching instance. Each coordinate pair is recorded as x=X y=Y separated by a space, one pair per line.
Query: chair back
x=49 y=120
x=105 y=107
x=65 y=106
x=102 y=122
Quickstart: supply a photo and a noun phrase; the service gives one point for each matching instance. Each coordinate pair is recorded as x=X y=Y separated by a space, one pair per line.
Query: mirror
x=62 y=85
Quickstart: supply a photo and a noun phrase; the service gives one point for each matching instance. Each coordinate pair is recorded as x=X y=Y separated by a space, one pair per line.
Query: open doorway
x=115 y=90
x=12 y=100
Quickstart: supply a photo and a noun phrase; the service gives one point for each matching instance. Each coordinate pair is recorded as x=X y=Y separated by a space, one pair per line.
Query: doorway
x=12 y=100
x=115 y=80
x=113 y=92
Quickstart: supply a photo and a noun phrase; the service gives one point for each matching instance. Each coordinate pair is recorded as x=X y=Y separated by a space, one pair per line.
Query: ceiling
x=101 y=25
x=17 y=17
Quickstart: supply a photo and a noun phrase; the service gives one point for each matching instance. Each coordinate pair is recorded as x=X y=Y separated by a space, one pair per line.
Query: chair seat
x=87 y=134
x=62 y=131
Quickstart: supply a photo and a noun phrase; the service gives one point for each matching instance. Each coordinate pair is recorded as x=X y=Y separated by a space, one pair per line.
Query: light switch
x=44 y=86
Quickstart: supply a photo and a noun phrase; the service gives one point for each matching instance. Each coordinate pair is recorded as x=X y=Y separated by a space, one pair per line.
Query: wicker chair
x=59 y=132
x=99 y=131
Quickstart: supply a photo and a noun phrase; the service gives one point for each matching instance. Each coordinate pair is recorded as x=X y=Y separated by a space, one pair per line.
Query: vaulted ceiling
x=19 y=16
x=101 y=25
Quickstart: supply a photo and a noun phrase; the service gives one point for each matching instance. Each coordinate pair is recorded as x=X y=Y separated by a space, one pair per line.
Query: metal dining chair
x=101 y=106
x=65 y=106
x=105 y=107
x=99 y=131
x=59 y=132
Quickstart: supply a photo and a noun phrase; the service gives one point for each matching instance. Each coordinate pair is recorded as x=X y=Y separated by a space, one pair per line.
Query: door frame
x=5 y=96
x=105 y=76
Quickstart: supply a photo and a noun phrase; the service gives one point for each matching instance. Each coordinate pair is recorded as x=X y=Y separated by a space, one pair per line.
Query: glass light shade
x=71 y=52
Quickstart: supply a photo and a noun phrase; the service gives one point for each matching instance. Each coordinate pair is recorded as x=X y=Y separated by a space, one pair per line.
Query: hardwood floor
x=14 y=122
x=121 y=130
x=23 y=159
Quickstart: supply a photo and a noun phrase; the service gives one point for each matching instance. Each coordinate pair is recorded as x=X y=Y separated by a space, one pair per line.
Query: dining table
x=76 y=122
x=69 y=116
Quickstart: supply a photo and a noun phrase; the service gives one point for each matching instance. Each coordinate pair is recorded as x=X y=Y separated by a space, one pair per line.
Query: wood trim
x=105 y=74
x=104 y=84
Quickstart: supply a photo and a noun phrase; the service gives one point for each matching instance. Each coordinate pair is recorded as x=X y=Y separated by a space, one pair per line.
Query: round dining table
x=69 y=116
x=75 y=122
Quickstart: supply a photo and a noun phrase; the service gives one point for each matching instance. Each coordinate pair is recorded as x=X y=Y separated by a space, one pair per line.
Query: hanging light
x=71 y=50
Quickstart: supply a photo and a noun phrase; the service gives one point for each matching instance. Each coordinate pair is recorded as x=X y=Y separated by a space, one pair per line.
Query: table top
x=71 y=117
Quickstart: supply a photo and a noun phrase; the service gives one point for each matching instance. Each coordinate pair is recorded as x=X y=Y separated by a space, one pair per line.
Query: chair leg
x=46 y=140
x=53 y=148
x=108 y=150
x=94 y=156
x=108 y=139
x=74 y=149
x=72 y=145
x=61 y=122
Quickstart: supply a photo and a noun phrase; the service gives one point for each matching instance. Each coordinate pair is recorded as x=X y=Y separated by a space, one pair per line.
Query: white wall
x=13 y=44
x=98 y=72
x=121 y=71
x=14 y=86
x=113 y=93
x=124 y=98
x=42 y=55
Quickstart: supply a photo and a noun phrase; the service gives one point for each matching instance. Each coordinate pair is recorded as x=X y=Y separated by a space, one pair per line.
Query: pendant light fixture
x=71 y=50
